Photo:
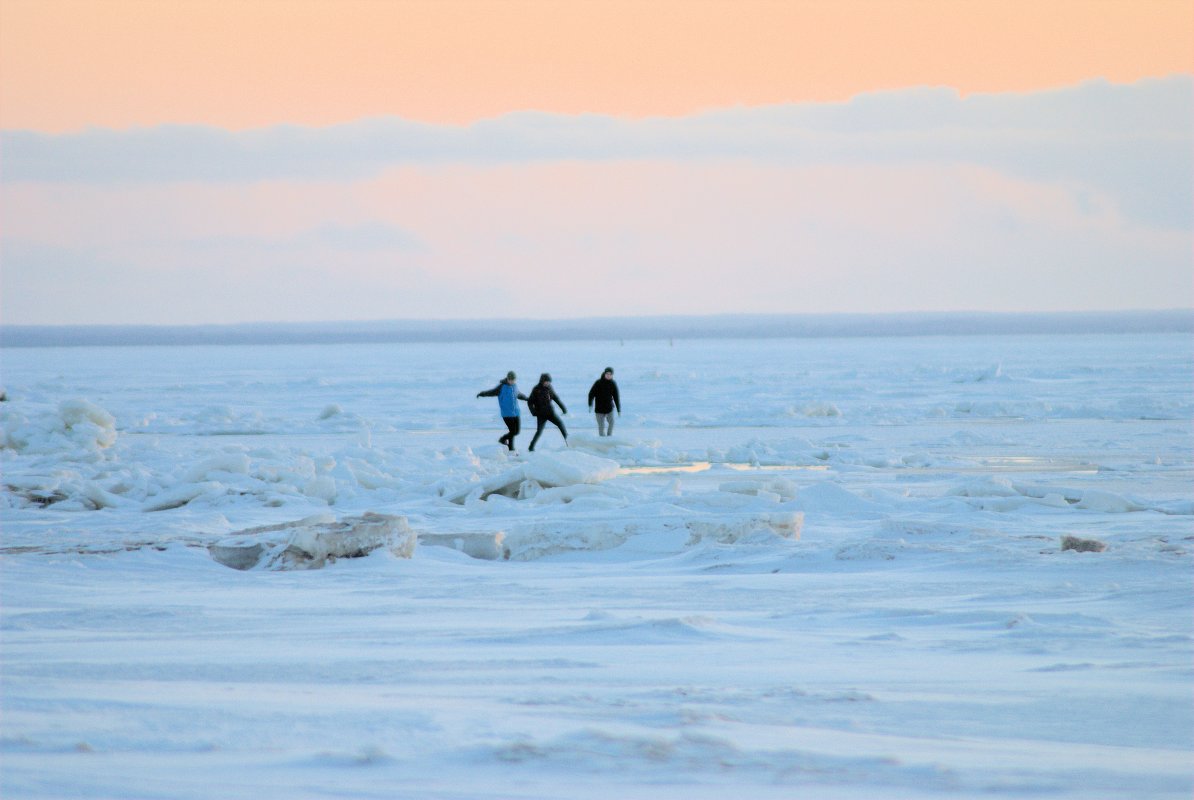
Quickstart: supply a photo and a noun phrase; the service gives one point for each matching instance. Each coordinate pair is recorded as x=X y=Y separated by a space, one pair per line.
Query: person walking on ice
x=603 y=398
x=542 y=396
x=508 y=396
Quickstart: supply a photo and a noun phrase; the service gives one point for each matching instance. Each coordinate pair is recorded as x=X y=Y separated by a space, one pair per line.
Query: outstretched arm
x=491 y=392
x=559 y=402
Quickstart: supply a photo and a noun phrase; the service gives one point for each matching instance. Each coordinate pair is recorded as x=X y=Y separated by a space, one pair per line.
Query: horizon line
x=645 y=327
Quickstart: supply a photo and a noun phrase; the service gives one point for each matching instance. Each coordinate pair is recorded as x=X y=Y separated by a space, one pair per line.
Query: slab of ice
x=600 y=444
x=313 y=542
x=585 y=492
x=486 y=546
x=506 y=483
x=729 y=530
x=530 y=541
x=567 y=468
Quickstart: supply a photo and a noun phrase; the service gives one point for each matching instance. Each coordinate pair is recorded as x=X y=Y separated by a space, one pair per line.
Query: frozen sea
x=654 y=627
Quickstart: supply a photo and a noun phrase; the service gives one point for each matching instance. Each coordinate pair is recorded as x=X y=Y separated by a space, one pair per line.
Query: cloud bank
x=915 y=200
x=1133 y=140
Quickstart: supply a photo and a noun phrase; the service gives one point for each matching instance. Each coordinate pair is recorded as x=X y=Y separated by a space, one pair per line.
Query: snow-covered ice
x=315 y=542
x=828 y=568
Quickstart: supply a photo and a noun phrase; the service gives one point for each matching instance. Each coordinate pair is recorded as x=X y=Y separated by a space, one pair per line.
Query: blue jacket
x=508 y=397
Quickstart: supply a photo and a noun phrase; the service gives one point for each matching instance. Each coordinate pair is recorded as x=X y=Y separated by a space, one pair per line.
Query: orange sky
x=67 y=64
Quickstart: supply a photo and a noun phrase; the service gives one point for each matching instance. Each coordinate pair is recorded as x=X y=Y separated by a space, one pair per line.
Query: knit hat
x=546 y=376
x=510 y=376
x=610 y=370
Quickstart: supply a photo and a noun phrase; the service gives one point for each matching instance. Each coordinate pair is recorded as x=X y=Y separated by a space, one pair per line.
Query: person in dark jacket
x=508 y=396
x=542 y=396
x=603 y=399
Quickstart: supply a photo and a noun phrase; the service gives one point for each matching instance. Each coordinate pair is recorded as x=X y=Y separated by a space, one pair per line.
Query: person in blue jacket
x=508 y=396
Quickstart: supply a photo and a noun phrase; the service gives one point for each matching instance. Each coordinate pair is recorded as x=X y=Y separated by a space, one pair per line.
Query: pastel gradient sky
x=258 y=160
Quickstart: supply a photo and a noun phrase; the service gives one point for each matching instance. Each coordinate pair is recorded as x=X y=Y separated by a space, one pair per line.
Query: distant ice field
x=829 y=568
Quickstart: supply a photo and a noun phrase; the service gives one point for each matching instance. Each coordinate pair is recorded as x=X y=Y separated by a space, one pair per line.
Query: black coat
x=604 y=395
x=541 y=400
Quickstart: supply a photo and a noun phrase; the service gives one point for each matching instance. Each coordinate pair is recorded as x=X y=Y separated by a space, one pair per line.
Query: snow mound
x=832 y=498
x=87 y=424
x=77 y=425
x=1098 y=500
x=313 y=542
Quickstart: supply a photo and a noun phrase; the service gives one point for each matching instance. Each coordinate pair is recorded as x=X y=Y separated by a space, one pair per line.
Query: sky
x=221 y=161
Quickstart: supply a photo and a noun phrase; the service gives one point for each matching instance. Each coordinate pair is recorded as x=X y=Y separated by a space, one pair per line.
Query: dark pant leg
x=513 y=424
x=540 y=422
x=559 y=423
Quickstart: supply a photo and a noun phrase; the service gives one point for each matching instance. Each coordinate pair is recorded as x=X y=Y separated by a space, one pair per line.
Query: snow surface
x=823 y=568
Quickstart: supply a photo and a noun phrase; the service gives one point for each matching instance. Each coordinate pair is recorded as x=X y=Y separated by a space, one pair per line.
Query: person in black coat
x=603 y=399
x=542 y=396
